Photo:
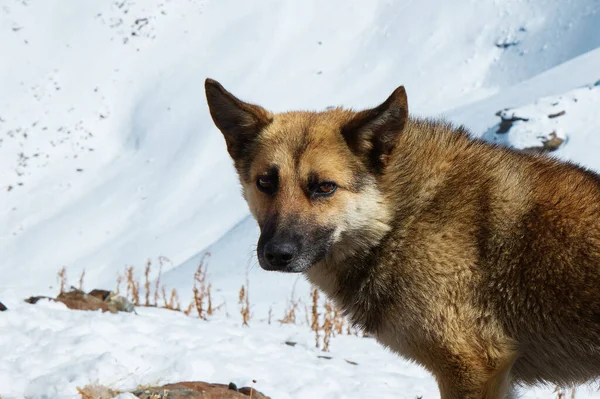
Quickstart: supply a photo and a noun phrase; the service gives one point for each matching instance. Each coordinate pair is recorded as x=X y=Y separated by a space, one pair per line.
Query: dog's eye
x=324 y=189
x=266 y=184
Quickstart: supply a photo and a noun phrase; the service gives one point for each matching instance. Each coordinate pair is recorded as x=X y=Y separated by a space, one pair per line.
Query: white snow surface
x=108 y=157
x=49 y=351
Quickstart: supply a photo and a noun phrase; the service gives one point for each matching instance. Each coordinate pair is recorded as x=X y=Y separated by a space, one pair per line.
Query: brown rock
x=81 y=301
x=198 y=390
x=2 y=307
x=100 y=294
x=557 y=114
x=34 y=299
x=551 y=143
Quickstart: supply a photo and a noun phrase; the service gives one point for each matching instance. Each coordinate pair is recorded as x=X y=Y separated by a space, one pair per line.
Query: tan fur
x=478 y=262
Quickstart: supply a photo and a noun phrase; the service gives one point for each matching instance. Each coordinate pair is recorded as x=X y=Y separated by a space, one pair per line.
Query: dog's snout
x=280 y=254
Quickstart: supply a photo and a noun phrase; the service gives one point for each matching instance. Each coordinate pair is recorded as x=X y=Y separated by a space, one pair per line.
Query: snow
x=571 y=116
x=49 y=351
x=108 y=157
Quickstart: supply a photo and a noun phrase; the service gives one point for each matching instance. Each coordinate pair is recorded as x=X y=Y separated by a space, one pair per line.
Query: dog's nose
x=280 y=253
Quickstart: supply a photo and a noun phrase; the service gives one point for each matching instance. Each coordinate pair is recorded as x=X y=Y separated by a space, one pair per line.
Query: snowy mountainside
x=108 y=156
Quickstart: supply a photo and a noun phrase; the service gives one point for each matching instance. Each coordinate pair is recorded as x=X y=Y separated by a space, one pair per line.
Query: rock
x=118 y=303
x=552 y=143
x=34 y=299
x=507 y=119
x=557 y=114
x=2 y=307
x=100 y=294
x=79 y=300
x=198 y=390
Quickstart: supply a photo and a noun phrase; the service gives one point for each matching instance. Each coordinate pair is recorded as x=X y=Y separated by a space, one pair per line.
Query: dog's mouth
x=294 y=252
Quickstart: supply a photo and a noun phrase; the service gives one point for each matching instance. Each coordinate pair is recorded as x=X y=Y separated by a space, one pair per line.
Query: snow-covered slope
x=106 y=144
x=108 y=156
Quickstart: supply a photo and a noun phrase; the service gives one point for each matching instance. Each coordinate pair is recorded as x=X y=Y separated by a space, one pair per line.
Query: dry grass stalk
x=289 y=316
x=270 y=314
x=306 y=313
x=147 y=282
x=119 y=281
x=561 y=393
x=133 y=286
x=62 y=279
x=189 y=309
x=81 y=278
x=201 y=289
x=174 y=301
x=328 y=323
x=338 y=321
x=244 y=301
x=164 y=297
x=315 y=315
x=157 y=282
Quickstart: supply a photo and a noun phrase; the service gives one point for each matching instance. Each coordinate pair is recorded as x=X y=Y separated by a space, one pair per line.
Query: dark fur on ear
x=240 y=122
x=372 y=133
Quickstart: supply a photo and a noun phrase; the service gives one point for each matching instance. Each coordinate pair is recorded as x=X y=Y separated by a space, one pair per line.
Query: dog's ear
x=239 y=121
x=372 y=134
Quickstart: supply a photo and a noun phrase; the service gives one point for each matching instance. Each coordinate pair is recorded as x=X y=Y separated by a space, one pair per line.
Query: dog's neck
x=351 y=267
x=350 y=275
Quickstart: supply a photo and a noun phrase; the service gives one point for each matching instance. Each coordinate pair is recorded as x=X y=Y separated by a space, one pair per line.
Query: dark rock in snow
x=198 y=390
x=507 y=121
x=2 y=307
x=34 y=299
x=100 y=294
x=548 y=145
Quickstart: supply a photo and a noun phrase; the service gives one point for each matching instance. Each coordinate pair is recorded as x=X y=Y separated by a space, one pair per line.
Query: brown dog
x=479 y=262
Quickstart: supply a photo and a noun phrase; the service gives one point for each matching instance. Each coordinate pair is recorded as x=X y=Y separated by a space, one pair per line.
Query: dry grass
x=564 y=393
x=156 y=293
x=202 y=300
x=244 y=302
x=151 y=299
x=133 y=286
x=289 y=316
x=147 y=281
x=325 y=319
x=315 y=315
x=81 y=278
x=62 y=280
x=119 y=282
x=328 y=325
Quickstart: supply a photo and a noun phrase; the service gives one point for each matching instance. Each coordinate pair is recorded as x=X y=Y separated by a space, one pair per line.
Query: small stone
x=2 y=307
x=556 y=115
x=100 y=294
x=118 y=303
x=34 y=299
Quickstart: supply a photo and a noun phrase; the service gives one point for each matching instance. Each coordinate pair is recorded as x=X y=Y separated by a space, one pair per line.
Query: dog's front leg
x=471 y=376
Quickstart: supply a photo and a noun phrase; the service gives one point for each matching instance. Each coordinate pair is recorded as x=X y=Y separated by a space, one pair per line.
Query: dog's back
x=519 y=233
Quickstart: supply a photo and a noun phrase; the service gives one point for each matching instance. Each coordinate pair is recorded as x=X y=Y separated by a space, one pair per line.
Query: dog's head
x=310 y=178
